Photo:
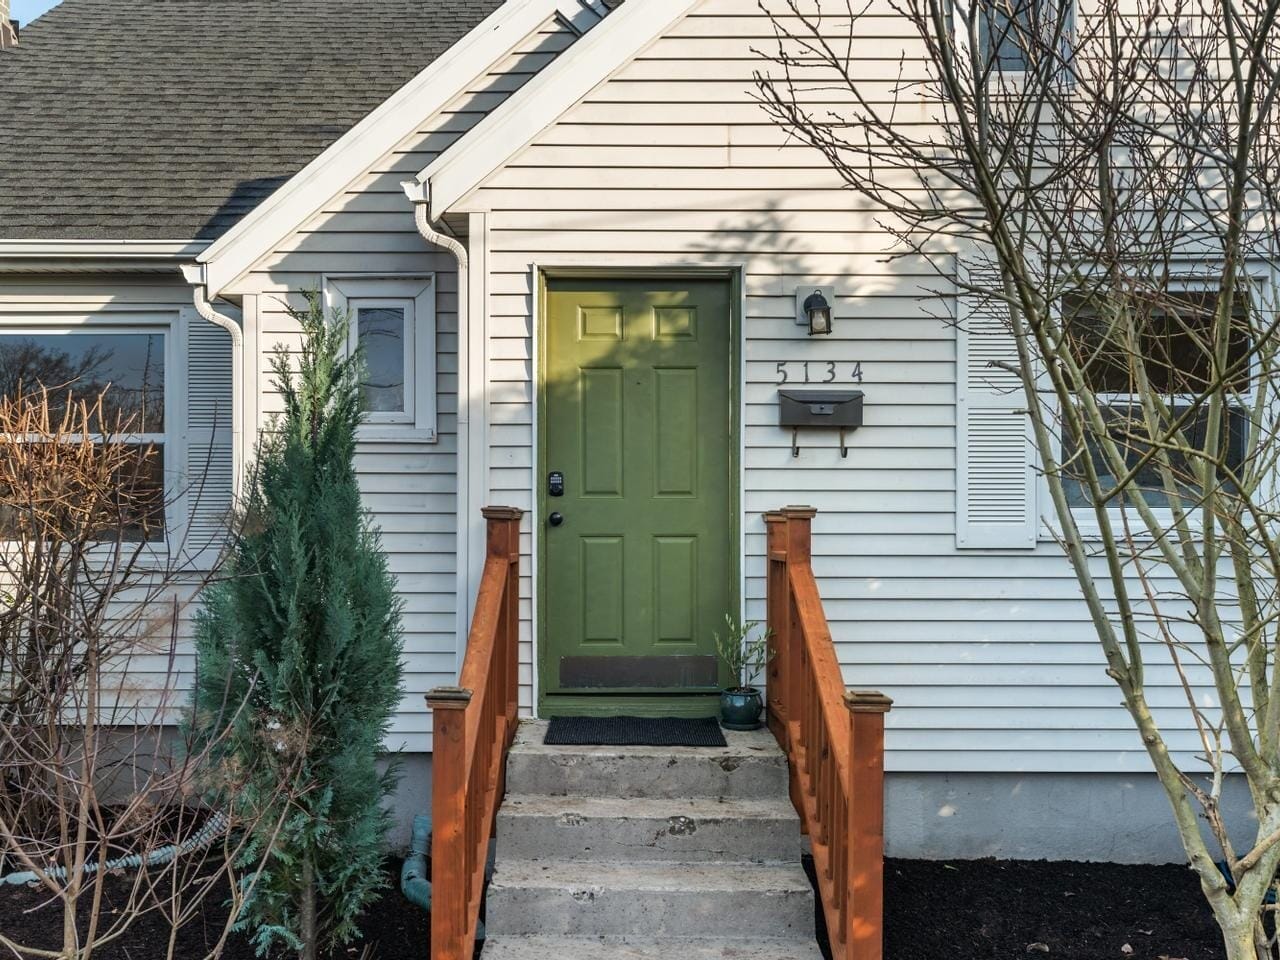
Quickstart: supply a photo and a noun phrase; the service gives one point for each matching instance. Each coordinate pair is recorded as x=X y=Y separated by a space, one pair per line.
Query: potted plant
x=744 y=650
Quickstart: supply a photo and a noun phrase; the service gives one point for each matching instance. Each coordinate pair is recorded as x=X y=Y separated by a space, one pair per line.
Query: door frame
x=733 y=275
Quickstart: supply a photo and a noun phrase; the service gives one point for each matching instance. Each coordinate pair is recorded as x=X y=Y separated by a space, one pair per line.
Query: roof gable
x=544 y=99
x=397 y=118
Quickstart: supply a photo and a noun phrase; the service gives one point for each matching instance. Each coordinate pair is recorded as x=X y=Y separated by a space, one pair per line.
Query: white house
x=587 y=246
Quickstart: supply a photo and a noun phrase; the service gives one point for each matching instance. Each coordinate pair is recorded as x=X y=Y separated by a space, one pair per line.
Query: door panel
x=600 y=596
x=601 y=434
x=675 y=588
x=636 y=413
x=676 y=425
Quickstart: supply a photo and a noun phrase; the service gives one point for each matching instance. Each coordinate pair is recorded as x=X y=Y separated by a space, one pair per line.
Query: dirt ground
x=989 y=909
x=960 y=910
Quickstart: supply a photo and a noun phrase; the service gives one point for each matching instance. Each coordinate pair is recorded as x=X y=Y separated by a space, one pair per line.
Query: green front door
x=638 y=565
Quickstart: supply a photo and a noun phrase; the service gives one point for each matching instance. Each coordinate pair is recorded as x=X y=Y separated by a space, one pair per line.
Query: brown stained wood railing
x=834 y=739
x=475 y=723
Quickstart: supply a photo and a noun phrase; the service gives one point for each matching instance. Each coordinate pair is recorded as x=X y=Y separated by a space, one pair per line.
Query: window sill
x=395 y=433
x=1090 y=532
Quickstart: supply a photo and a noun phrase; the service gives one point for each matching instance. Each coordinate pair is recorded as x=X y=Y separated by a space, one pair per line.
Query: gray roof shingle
x=171 y=119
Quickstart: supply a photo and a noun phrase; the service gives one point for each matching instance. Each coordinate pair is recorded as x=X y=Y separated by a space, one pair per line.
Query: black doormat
x=634 y=732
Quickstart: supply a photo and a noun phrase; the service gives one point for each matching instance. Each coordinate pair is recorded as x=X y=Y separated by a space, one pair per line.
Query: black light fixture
x=818 y=310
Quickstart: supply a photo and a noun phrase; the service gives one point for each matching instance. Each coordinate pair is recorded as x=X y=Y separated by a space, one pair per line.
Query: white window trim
x=175 y=411
x=417 y=290
x=1085 y=518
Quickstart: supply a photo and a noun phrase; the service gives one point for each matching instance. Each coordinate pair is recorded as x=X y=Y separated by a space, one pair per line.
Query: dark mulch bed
x=989 y=909
x=394 y=929
x=959 y=910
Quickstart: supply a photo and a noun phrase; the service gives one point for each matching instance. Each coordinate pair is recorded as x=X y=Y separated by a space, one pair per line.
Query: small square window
x=393 y=323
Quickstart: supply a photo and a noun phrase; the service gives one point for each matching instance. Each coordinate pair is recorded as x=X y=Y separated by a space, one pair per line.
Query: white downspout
x=420 y=195
x=194 y=274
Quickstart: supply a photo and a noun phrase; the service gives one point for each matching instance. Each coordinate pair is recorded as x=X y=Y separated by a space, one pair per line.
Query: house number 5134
x=818 y=371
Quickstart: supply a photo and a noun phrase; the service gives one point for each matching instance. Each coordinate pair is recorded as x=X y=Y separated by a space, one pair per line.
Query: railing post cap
x=448 y=698
x=867 y=701
x=799 y=513
x=501 y=513
x=773 y=516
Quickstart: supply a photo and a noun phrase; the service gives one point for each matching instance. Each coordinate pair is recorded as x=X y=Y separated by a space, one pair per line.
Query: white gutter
x=194 y=274
x=112 y=249
x=420 y=195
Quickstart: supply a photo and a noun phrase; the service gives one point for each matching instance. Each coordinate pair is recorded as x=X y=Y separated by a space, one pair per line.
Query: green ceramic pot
x=740 y=709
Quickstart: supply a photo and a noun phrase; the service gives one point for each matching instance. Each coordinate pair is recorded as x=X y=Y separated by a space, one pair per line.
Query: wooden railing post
x=777 y=605
x=799 y=533
x=864 y=935
x=450 y=909
x=503 y=542
x=799 y=550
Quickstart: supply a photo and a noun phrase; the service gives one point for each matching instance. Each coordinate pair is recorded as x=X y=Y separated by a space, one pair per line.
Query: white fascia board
x=360 y=147
x=540 y=102
x=102 y=249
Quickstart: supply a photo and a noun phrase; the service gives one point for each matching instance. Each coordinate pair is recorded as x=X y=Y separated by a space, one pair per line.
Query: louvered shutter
x=995 y=462
x=209 y=437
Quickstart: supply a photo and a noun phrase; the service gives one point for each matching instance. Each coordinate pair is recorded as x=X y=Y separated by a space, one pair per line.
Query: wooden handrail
x=834 y=739
x=475 y=723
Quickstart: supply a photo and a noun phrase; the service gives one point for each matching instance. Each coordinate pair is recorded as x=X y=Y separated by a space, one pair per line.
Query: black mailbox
x=821 y=408
x=840 y=409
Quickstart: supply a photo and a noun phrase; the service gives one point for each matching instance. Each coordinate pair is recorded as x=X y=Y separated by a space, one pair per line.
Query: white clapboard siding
x=208 y=477
x=995 y=468
x=988 y=653
x=410 y=489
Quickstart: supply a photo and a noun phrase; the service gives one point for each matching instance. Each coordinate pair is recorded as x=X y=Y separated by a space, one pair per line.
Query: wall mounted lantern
x=814 y=311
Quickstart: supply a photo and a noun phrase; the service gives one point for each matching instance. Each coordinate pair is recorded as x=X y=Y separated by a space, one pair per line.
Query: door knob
x=556 y=519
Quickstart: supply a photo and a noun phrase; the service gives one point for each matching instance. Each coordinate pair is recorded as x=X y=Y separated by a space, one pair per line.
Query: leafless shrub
x=99 y=786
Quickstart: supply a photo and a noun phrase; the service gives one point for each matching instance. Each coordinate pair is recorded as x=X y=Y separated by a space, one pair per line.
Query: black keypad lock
x=555 y=484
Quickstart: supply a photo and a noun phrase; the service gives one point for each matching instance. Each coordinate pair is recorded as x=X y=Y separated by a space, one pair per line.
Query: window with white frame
x=1009 y=29
x=392 y=321
x=1169 y=334
x=126 y=367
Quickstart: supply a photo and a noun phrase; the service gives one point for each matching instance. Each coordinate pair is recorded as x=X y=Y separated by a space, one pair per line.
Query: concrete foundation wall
x=1042 y=816
x=412 y=797
x=936 y=816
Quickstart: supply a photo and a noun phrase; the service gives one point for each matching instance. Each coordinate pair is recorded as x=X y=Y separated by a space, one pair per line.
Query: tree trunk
x=1238 y=939
x=307 y=910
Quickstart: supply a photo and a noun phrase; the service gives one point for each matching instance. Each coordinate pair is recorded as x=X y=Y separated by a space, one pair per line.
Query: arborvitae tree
x=307 y=624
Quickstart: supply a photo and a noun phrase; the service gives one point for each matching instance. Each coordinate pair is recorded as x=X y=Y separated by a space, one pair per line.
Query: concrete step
x=751 y=765
x=607 y=948
x=589 y=898
x=532 y=827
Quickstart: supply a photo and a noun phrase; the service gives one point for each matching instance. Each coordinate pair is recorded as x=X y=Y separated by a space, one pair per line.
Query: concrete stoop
x=642 y=853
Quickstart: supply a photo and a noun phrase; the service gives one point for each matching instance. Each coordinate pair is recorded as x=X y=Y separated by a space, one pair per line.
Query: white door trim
x=614 y=266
